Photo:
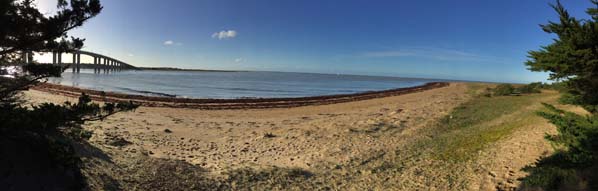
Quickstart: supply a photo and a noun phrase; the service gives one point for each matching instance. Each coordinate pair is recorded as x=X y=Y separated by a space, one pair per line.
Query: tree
x=37 y=141
x=30 y=30
x=573 y=56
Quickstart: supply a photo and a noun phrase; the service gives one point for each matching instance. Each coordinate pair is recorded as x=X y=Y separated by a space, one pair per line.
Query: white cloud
x=130 y=55
x=225 y=34
x=440 y=54
x=389 y=54
x=239 y=60
x=168 y=42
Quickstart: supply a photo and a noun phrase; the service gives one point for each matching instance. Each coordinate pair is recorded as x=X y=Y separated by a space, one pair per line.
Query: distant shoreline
x=183 y=69
x=92 y=66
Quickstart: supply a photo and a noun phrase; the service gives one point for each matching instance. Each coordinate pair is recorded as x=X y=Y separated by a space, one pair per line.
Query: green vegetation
x=572 y=57
x=530 y=88
x=504 y=90
x=577 y=153
x=508 y=89
x=481 y=121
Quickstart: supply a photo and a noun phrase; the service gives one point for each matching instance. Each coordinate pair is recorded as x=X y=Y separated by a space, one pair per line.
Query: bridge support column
x=74 y=62
x=53 y=58
x=24 y=57
x=78 y=62
x=29 y=57
x=104 y=66
x=59 y=59
x=96 y=63
x=100 y=62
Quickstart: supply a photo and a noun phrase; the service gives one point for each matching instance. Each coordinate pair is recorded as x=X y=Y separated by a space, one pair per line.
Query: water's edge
x=219 y=104
x=232 y=85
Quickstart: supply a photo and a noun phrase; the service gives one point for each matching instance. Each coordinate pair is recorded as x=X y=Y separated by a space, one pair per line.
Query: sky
x=479 y=40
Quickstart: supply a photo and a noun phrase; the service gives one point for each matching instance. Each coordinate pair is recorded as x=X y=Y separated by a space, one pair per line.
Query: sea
x=230 y=85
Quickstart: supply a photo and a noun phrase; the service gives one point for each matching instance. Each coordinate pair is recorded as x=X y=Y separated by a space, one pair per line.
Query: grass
x=482 y=121
x=476 y=89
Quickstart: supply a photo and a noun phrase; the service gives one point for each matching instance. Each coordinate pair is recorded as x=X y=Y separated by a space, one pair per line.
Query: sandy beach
x=288 y=137
x=319 y=138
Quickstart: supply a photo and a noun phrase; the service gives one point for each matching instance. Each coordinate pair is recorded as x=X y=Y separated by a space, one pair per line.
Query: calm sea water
x=231 y=84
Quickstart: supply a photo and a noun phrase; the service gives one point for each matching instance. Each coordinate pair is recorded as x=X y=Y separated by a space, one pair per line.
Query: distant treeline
x=534 y=87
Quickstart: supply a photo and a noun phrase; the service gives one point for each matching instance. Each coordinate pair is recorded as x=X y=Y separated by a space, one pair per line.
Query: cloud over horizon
x=170 y=43
x=225 y=34
x=435 y=54
x=388 y=54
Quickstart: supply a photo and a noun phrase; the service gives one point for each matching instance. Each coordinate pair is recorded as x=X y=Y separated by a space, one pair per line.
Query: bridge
x=100 y=62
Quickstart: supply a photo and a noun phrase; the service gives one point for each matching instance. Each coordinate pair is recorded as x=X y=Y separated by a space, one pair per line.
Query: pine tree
x=573 y=56
x=37 y=141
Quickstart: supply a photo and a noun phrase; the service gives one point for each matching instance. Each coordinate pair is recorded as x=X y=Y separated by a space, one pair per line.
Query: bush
x=572 y=58
x=504 y=90
x=37 y=141
x=508 y=89
x=530 y=88
x=567 y=98
x=577 y=151
x=558 y=86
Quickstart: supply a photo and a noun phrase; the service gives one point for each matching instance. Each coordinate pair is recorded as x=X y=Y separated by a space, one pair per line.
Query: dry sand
x=313 y=138
x=301 y=136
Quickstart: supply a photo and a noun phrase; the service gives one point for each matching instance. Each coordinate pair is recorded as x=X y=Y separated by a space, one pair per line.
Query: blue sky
x=479 y=40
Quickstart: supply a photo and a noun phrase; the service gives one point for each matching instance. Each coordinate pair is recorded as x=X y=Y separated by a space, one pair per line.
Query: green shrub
x=572 y=57
x=530 y=88
x=567 y=98
x=558 y=86
x=504 y=90
x=577 y=150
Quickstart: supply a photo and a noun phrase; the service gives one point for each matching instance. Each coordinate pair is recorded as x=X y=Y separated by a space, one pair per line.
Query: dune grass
x=482 y=121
